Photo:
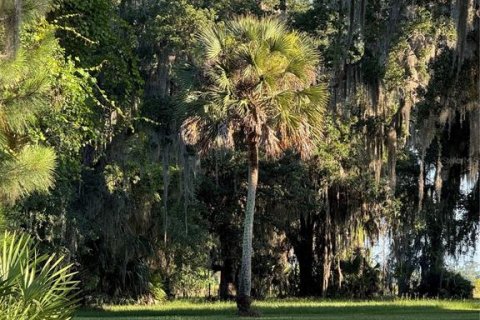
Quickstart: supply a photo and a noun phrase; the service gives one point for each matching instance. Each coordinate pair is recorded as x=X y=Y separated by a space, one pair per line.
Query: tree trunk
x=12 y=24
x=166 y=182
x=226 y=278
x=245 y=280
x=304 y=253
x=157 y=85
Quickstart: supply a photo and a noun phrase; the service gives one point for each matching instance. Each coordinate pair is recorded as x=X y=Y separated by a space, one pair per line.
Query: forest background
x=94 y=94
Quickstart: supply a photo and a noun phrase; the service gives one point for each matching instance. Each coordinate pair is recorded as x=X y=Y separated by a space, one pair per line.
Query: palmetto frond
x=261 y=78
x=32 y=286
x=213 y=41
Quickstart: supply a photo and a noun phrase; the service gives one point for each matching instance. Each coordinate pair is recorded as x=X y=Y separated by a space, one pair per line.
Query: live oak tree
x=260 y=92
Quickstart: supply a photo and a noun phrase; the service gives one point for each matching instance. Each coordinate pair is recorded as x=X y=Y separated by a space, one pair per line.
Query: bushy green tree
x=27 y=78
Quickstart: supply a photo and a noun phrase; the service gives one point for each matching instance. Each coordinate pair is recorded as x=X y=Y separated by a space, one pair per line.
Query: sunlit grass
x=296 y=309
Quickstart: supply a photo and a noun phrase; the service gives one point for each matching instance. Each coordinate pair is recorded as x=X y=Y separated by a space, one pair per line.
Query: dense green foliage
x=26 y=90
x=95 y=163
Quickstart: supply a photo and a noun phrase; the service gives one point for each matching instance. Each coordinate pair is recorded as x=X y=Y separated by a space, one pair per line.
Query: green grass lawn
x=296 y=309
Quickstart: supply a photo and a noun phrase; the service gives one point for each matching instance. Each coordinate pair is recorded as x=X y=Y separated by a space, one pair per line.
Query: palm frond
x=212 y=40
x=260 y=77
x=32 y=286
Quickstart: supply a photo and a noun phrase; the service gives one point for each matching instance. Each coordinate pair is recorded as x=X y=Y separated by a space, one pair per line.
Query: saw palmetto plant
x=34 y=286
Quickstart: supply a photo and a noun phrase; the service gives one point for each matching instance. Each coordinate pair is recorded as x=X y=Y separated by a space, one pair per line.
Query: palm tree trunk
x=245 y=285
x=166 y=183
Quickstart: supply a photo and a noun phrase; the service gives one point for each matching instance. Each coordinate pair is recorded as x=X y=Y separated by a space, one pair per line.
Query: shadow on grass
x=283 y=311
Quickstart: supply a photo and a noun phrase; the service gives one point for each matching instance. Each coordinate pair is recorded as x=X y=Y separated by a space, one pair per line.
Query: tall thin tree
x=260 y=92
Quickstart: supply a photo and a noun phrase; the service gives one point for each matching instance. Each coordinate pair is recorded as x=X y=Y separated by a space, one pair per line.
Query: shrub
x=156 y=288
x=361 y=278
x=33 y=286
x=456 y=286
x=445 y=284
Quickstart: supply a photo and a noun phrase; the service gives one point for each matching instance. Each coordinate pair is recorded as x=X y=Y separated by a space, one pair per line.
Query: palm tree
x=260 y=92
